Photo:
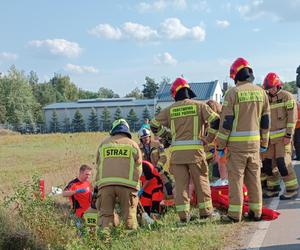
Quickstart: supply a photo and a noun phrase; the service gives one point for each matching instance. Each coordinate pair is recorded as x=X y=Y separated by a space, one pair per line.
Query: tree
x=93 y=121
x=118 y=114
x=66 y=124
x=40 y=123
x=2 y=114
x=132 y=119
x=146 y=113
x=78 y=123
x=136 y=93
x=54 y=123
x=29 y=124
x=85 y=94
x=158 y=109
x=107 y=93
x=105 y=118
x=150 y=88
x=290 y=86
x=65 y=89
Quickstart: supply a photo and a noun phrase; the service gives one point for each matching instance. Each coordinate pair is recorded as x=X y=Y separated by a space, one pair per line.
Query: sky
x=116 y=44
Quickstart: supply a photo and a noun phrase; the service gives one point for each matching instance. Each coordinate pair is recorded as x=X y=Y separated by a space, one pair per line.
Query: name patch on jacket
x=117 y=152
x=186 y=110
x=250 y=96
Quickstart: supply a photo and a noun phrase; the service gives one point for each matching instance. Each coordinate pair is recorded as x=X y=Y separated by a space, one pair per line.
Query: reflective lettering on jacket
x=117 y=152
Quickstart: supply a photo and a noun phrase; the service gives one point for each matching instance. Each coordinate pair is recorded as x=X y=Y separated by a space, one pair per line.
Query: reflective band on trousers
x=291 y=183
x=206 y=204
x=235 y=208
x=277 y=133
x=255 y=206
x=186 y=145
x=273 y=183
x=183 y=208
x=186 y=142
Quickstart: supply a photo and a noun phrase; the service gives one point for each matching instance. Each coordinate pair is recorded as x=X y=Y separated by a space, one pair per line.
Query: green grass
x=28 y=223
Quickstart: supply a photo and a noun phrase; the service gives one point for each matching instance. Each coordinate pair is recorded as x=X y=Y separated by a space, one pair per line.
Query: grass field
x=33 y=224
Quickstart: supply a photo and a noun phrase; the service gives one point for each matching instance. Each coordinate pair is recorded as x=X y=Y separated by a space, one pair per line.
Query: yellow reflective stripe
x=182 y=111
x=274 y=136
x=173 y=131
x=255 y=206
x=155 y=150
x=277 y=105
x=222 y=136
x=101 y=162
x=155 y=122
x=212 y=131
x=161 y=131
x=90 y=219
x=235 y=208
x=195 y=130
x=236 y=115
x=265 y=135
x=206 y=204
x=131 y=170
x=263 y=177
x=117 y=180
x=183 y=208
x=209 y=155
x=291 y=183
x=245 y=138
x=290 y=125
x=290 y=104
x=162 y=153
x=212 y=117
x=273 y=183
x=186 y=147
x=225 y=103
x=160 y=164
x=250 y=96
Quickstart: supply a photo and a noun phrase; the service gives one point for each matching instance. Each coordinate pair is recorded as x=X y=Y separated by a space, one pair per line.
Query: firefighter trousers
x=127 y=198
x=279 y=156
x=199 y=174
x=244 y=167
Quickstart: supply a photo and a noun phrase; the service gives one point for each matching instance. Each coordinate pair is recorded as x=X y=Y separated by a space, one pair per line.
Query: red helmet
x=237 y=65
x=272 y=80
x=178 y=84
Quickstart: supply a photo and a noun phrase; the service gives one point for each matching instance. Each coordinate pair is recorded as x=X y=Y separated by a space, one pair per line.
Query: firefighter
x=283 y=120
x=180 y=126
x=297 y=135
x=119 y=161
x=151 y=192
x=154 y=152
x=244 y=130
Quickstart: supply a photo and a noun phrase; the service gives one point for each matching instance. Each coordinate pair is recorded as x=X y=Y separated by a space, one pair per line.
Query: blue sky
x=115 y=44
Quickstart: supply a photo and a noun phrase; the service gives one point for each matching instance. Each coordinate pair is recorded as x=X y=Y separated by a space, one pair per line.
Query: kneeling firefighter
x=119 y=161
x=284 y=117
x=186 y=119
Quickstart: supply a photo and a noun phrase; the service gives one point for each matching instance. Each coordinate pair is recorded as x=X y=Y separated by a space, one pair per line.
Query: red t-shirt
x=80 y=202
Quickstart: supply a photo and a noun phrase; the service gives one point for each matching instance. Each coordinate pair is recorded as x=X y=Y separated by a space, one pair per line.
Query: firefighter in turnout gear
x=283 y=121
x=119 y=161
x=181 y=125
x=244 y=130
x=154 y=152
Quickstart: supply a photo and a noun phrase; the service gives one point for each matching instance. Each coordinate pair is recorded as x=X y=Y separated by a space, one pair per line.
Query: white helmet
x=143 y=132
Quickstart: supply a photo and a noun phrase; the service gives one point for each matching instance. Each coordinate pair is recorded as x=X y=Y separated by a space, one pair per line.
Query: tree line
x=22 y=97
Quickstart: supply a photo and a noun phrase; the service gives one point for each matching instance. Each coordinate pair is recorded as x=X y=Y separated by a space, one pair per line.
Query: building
x=66 y=110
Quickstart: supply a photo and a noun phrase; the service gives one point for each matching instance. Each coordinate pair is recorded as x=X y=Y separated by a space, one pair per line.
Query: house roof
x=100 y=102
x=203 y=91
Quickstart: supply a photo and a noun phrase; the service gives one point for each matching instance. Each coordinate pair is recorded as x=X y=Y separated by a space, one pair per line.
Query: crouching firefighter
x=181 y=125
x=151 y=192
x=283 y=121
x=244 y=129
x=119 y=161
x=154 y=152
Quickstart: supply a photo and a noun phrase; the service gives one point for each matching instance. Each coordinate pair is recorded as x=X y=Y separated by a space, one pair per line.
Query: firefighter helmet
x=237 y=65
x=272 y=80
x=120 y=126
x=178 y=84
x=143 y=132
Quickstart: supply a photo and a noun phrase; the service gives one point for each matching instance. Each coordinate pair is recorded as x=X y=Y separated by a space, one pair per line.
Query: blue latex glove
x=82 y=190
x=263 y=149
x=140 y=192
x=212 y=150
x=221 y=152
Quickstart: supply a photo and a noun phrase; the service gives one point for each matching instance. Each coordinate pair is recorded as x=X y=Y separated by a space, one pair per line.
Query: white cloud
x=106 y=31
x=161 y=5
x=223 y=23
x=201 y=6
x=80 y=69
x=8 y=56
x=275 y=10
x=60 y=47
x=139 y=32
x=173 y=29
x=165 y=58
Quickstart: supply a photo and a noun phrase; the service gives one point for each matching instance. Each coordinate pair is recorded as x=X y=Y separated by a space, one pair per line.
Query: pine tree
x=150 y=88
x=158 y=109
x=66 y=124
x=105 y=118
x=93 y=121
x=146 y=113
x=78 y=123
x=40 y=123
x=118 y=114
x=54 y=123
x=29 y=124
x=132 y=119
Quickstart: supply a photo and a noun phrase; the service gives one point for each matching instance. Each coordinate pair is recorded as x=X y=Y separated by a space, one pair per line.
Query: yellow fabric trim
x=183 y=208
x=173 y=131
x=222 y=136
x=274 y=136
x=291 y=183
x=277 y=105
x=255 y=206
x=250 y=96
x=186 y=147
x=212 y=131
x=290 y=125
x=206 y=204
x=182 y=111
x=244 y=138
x=235 y=208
